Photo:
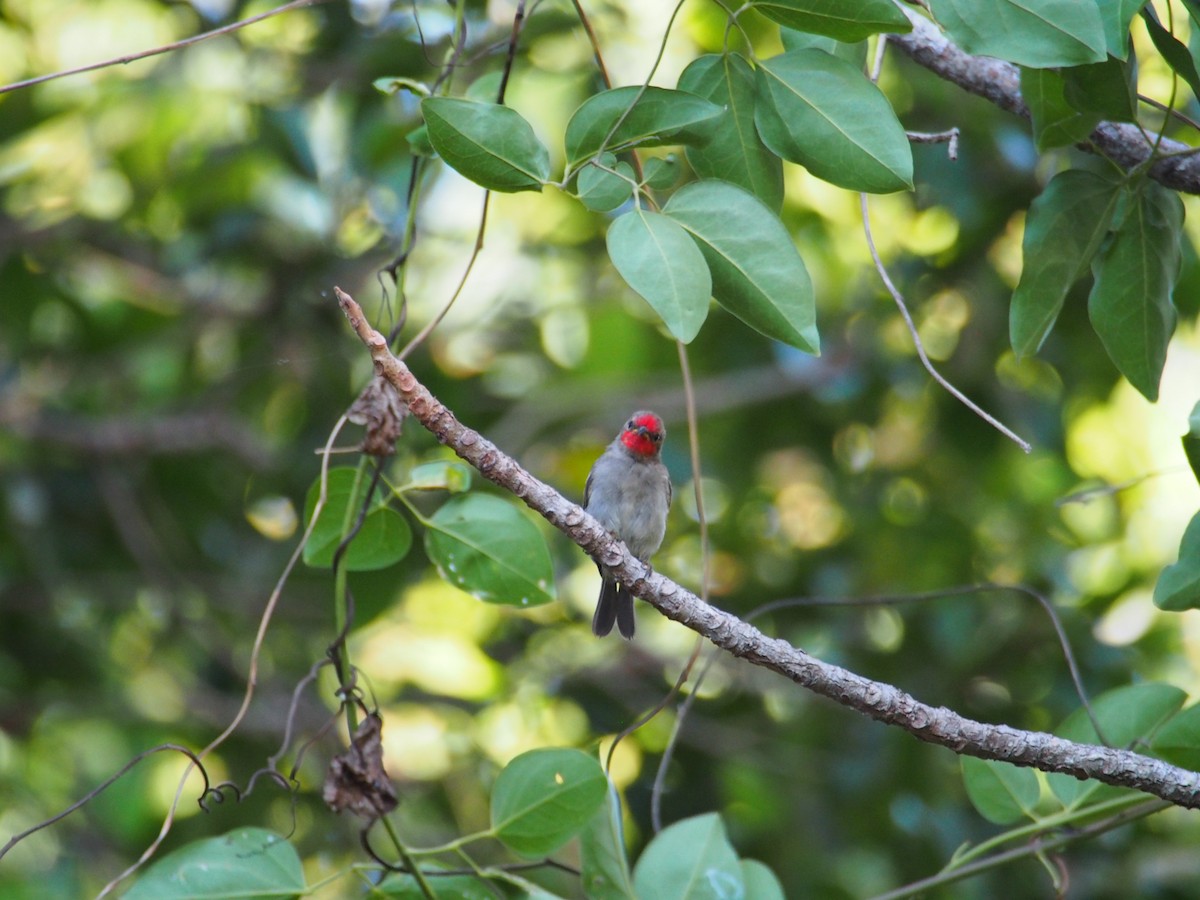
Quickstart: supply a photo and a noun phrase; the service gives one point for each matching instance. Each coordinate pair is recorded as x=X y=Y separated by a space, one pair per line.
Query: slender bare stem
x=165 y=48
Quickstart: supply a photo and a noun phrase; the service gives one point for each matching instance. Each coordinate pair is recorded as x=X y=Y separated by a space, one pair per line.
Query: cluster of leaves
x=1128 y=230
x=479 y=543
x=540 y=801
x=719 y=237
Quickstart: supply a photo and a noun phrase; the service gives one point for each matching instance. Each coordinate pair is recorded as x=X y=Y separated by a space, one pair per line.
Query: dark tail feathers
x=614 y=606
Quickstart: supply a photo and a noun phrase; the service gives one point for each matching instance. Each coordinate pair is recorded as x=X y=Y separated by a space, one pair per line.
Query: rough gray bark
x=1000 y=83
x=881 y=702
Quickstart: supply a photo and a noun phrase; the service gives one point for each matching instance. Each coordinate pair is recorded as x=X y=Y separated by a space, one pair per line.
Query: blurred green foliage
x=171 y=357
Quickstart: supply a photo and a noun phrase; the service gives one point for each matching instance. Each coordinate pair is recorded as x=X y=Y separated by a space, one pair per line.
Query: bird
x=628 y=491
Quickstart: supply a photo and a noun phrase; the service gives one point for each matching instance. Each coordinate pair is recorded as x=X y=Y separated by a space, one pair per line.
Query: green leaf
x=447 y=887
x=1178 y=586
x=487 y=143
x=756 y=272
x=1174 y=51
x=821 y=112
x=1107 y=89
x=601 y=189
x=1126 y=715
x=1117 y=16
x=1064 y=228
x=441 y=475
x=418 y=142
x=1001 y=792
x=394 y=84
x=544 y=797
x=1191 y=441
x=1178 y=741
x=855 y=53
x=247 y=864
x=1040 y=34
x=1056 y=123
x=736 y=153
x=606 y=874
x=1130 y=304
x=689 y=860
x=760 y=881
x=657 y=258
x=836 y=18
x=384 y=538
x=488 y=548
x=661 y=172
x=606 y=121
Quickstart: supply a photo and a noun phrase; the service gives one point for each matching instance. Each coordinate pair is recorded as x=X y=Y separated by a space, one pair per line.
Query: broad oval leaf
x=1056 y=123
x=632 y=116
x=1001 y=792
x=1040 y=34
x=488 y=548
x=544 y=797
x=756 y=272
x=736 y=153
x=487 y=143
x=689 y=860
x=250 y=863
x=384 y=538
x=821 y=112
x=1126 y=714
x=661 y=172
x=658 y=259
x=844 y=21
x=1130 y=304
x=603 y=190
x=1064 y=228
x=1178 y=586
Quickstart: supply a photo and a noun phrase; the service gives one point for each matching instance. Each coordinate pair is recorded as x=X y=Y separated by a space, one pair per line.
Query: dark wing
x=587 y=488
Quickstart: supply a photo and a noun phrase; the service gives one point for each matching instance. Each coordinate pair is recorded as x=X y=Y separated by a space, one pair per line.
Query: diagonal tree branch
x=879 y=701
x=1000 y=83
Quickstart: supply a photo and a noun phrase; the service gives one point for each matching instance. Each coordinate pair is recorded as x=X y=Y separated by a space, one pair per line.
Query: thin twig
x=689 y=395
x=948 y=137
x=433 y=323
x=876 y=68
x=587 y=27
x=1033 y=848
x=100 y=788
x=165 y=48
x=1174 y=113
x=912 y=329
x=518 y=19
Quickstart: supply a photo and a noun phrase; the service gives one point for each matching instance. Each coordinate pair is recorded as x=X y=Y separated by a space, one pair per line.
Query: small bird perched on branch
x=629 y=492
